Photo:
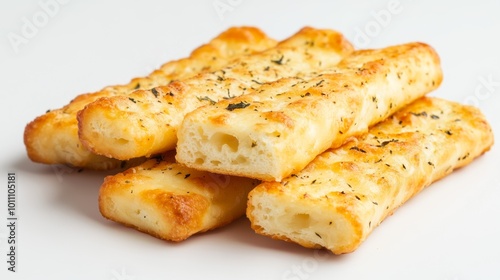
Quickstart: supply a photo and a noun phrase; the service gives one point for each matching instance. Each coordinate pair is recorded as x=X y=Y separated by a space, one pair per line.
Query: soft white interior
x=307 y=225
x=213 y=149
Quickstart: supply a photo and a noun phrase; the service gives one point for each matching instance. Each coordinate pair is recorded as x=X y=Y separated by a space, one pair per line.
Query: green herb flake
x=278 y=61
x=319 y=83
x=131 y=99
x=206 y=98
x=229 y=96
x=357 y=149
x=155 y=92
x=421 y=114
x=239 y=105
x=383 y=144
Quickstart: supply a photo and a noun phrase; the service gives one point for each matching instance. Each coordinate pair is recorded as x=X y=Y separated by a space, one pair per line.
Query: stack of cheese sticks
x=53 y=138
x=315 y=141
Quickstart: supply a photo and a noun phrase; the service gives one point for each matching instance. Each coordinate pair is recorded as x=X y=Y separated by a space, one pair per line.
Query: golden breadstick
x=53 y=137
x=145 y=122
x=173 y=202
x=343 y=194
x=278 y=130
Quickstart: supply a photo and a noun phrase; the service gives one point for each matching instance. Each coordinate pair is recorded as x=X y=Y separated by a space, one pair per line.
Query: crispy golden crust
x=343 y=194
x=145 y=122
x=280 y=128
x=53 y=137
x=172 y=202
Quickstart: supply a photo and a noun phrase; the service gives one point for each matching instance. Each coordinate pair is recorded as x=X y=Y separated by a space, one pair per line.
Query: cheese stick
x=145 y=122
x=343 y=194
x=53 y=137
x=173 y=202
x=278 y=130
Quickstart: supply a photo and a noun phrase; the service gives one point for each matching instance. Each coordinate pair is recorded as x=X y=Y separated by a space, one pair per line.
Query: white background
x=450 y=231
